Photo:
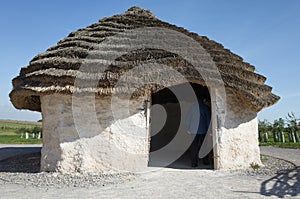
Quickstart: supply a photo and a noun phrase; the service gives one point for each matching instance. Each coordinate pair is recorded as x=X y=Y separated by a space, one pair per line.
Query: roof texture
x=56 y=70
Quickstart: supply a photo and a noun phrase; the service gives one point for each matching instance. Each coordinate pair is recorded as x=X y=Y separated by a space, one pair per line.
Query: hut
x=114 y=96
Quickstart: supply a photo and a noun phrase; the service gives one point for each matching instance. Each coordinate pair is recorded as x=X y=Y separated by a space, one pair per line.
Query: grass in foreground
x=290 y=145
x=10 y=132
x=16 y=139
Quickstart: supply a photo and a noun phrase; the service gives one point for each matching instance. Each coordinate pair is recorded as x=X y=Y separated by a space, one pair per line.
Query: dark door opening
x=169 y=140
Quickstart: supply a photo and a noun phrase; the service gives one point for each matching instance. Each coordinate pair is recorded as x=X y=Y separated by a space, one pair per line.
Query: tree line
x=35 y=132
x=281 y=130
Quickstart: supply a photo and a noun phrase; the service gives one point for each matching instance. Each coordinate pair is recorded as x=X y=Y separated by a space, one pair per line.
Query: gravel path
x=292 y=155
x=278 y=179
x=170 y=183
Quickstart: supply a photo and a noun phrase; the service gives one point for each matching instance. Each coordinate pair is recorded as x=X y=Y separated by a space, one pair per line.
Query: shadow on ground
x=20 y=159
x=184 y=162
x=284 y=184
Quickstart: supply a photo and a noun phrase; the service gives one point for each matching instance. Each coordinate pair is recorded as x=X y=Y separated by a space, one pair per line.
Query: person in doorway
x=198 y=121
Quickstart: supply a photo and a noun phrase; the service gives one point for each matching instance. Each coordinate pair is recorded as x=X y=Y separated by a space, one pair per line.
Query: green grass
x=14 y=126
x=16 y=139
x=10 y=132
x=282 y=145
x=264 y=159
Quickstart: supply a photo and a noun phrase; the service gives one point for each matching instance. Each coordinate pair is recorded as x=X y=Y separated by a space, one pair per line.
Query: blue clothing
x=198 y=118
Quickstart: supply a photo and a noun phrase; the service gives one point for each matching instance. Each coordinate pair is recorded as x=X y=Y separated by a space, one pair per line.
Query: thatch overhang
x=58 y=69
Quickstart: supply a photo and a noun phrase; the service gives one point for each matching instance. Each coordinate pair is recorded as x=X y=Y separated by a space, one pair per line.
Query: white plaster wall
x=88 y=135
x=85 y=136
x=238 y=137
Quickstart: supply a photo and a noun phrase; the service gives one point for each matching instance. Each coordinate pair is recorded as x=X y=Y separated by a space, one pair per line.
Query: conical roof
x=57 y=69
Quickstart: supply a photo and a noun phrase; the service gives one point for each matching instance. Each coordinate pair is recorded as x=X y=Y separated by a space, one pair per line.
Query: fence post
x=275 y=136
x=296 y=136
x=26 y=135
x=293 y=137
x=266 y=137
x=282 y=137
x=290 y=137
x=279 y=137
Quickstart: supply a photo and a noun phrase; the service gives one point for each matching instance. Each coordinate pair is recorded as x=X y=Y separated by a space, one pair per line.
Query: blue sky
x=264 y=32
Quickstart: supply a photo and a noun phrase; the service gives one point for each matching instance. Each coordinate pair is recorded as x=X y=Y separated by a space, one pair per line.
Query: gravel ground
x=271 y=166
x=293 y=155
x=56 y=180
x=19 y=178
x=24 y=170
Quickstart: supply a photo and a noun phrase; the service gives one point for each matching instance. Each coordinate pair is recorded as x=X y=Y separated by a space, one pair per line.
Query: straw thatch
x=56 y=70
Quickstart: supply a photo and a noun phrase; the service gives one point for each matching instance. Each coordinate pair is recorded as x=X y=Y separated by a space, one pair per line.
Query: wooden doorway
x=169 y=140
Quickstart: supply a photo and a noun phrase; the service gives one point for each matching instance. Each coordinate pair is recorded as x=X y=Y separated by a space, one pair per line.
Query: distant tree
x=36 y=129
x=279 y=125
x=293 y=127
x=278 y=130
x=22 y=130
x=293 y=123
x=263 y=128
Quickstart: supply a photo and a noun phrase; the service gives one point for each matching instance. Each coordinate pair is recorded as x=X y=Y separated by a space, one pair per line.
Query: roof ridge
x=135 y=10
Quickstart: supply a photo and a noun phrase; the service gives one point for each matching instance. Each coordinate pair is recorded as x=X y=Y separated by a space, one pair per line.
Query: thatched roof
x=57 y=69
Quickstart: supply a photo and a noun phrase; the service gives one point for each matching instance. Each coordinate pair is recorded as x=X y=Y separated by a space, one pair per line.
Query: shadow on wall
x=237 y=112
x=20 y=159
x=284 y=184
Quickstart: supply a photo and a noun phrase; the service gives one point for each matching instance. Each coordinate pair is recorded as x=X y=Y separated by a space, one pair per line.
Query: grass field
x=10 y=127
x=282 y=145
x=11 y=132
x=16 y=139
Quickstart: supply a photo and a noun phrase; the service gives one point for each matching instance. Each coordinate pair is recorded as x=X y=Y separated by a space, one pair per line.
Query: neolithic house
x=114 y=97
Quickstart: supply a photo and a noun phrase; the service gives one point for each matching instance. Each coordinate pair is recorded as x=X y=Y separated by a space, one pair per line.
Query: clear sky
x=264 y=32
